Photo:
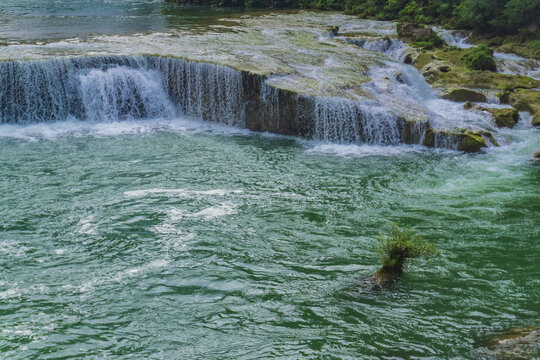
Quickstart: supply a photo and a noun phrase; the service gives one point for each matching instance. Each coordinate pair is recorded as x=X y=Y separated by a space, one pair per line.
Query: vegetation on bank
x=485 y=16
x=396 y=249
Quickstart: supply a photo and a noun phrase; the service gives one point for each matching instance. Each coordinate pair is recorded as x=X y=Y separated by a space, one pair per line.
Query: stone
x=507 y=117
x=462 y=139
x=413 y=31
x=519 y=343
x=385 y=277
x=536 y=155
x=463 y=95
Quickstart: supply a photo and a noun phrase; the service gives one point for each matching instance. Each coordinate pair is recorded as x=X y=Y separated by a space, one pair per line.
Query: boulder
x=413 y=32
x=470 y=141
x=519 y=343
x=536 y=155
x=463 y=95
x=524 y=100
x=433 y=68
x=333 y=30
x=461 y=139
x=503 y=117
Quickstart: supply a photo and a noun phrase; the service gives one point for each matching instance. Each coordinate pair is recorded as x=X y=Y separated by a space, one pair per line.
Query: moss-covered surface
x=505 y=117
x=462 y=95
x=524 y=100
x=459 y=76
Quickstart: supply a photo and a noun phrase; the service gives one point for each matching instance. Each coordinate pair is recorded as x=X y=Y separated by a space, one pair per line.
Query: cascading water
x=517 y=65
x=394 y=48
x=97 y=89
x=346 y=121
x=459 y=39
x=121 y=93
x=119 y=88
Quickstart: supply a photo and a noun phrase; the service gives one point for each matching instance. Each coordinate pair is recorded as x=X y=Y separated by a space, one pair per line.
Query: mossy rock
x=463 y=95
x=461 y=77
x=466 y=140
x=503 y=117
x=470 y=141
x=524 y=100
x=419 y=35
x=519 y=343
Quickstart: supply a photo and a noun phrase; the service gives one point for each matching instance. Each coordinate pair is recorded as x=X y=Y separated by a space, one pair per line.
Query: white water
x=121 y=93
x=457 y=38
x=517 y=65
x=394 y=48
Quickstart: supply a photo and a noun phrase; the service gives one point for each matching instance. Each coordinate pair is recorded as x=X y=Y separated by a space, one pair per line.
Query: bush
x=480 y=58
x=402 y=244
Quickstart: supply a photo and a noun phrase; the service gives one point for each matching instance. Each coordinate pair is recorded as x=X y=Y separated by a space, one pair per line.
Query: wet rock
x=521 y=343
x=333 y=30
x=412 y=32
x=432 y=69
x=505 y=117
x=502 y=117
x=536 y=155
x=463 y=95
x=524 y=100
x=459 y=139
x=385 y=277
x=470 y=141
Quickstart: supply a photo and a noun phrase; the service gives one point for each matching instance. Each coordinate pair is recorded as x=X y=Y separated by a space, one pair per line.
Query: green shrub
x=429 y=42
x=400 y=245
x=480 y=58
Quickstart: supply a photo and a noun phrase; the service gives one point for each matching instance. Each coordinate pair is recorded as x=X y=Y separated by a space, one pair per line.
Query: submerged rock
x=520 y=343
x=463 y=95
x=384 y=277
x=506 y=117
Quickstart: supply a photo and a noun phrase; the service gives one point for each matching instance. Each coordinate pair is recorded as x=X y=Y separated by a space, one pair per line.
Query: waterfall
x=457 y=38
x=120 y=88
x=121 y=93
x=346 y=121
x=206 y=91
x=394 y=48
x=517 y=65
x=104 y=88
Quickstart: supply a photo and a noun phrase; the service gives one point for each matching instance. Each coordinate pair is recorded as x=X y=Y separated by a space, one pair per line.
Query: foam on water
x=457 y=38
x=359 y=151
x=180 y=192
x=58 y=129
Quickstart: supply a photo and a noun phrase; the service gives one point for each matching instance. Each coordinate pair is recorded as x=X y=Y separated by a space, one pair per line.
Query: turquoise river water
x=176 y=238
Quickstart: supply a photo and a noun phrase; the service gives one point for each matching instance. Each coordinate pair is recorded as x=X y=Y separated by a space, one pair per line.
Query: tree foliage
x=503 y=16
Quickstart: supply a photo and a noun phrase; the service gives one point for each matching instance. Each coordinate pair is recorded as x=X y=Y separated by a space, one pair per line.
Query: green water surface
x=121 y=242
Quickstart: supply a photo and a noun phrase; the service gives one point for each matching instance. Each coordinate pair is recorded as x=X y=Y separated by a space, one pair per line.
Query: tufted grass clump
x=397 y=248
x=480 y=58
